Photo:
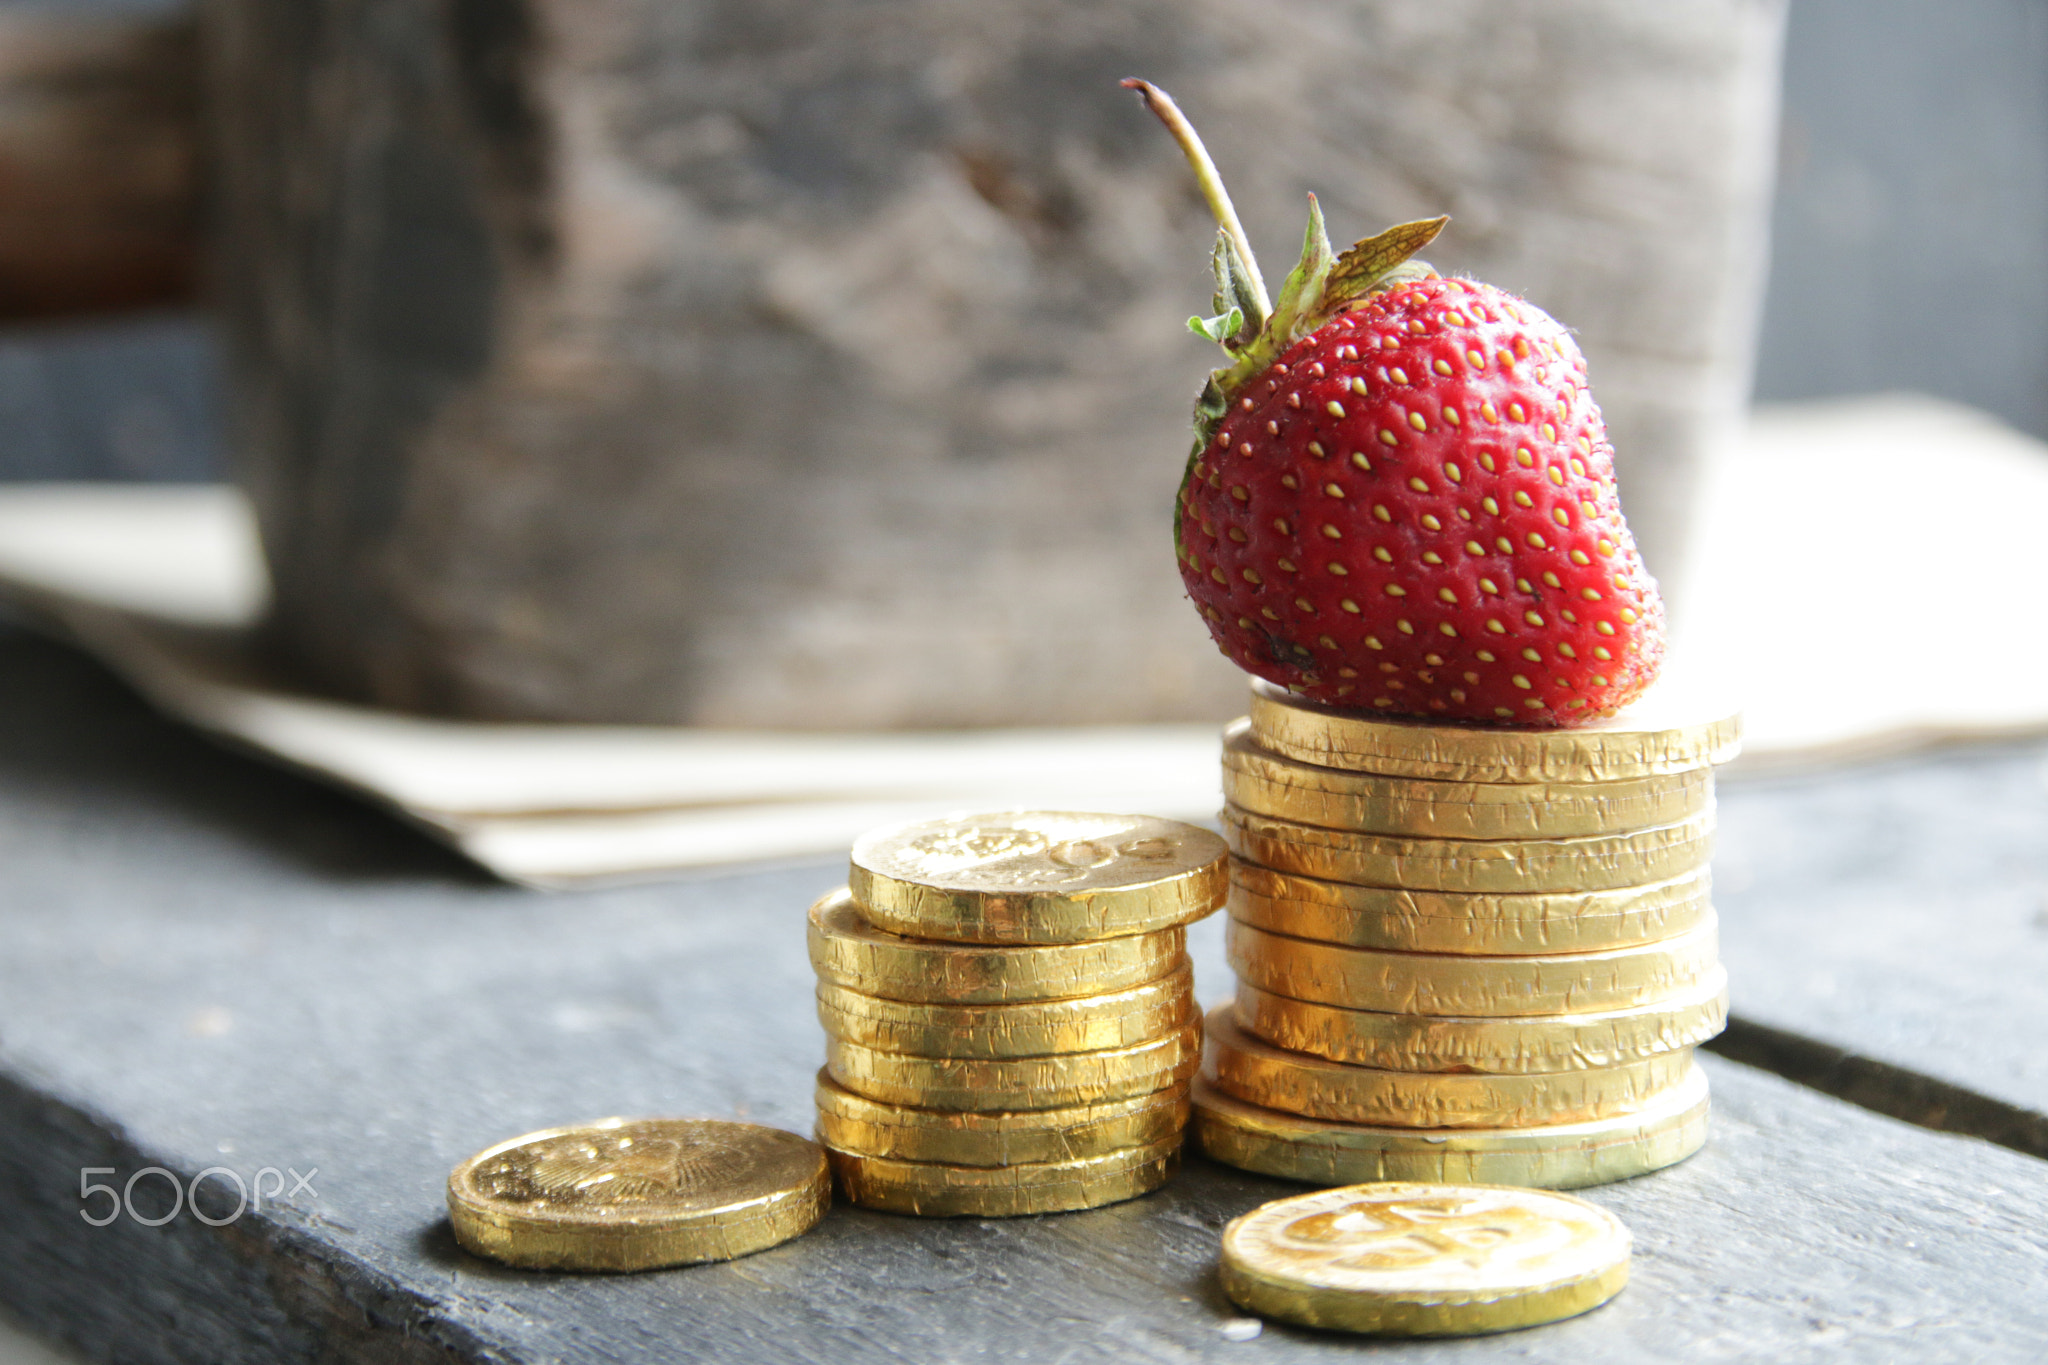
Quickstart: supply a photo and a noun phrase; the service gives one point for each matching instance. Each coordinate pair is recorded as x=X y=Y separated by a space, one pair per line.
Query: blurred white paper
x=1862 y=588
x=1867 y=579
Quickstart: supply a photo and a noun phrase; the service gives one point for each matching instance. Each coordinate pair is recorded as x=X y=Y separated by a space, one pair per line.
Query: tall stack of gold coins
x=1466 y=953
x=1009 y=1010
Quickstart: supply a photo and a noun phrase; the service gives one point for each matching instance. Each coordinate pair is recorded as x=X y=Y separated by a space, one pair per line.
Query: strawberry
x=1401 y=496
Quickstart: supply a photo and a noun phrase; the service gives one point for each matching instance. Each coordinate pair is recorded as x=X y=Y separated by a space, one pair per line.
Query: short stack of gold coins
x=1466 y=953
x=1009 y=1010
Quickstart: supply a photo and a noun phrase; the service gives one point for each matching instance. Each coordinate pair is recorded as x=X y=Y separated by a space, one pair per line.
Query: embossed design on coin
x=1455 y=1237
x=1026 y=850
x=633 y=1194
x=954 y=851
x=1037 y=876
x=595 y=1168
x=1422 y=1259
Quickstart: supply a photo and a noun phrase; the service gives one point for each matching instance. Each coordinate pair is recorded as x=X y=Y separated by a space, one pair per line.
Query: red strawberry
x=1401 y=494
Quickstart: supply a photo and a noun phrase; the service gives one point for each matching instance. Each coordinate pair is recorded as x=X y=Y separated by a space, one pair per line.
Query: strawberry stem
x=1206 y=176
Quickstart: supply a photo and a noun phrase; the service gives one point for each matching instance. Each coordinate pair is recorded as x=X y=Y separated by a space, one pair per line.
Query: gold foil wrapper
x=1600 y=862
x=1664 y=732
x=1037 y=876
x=1564 y=1156
x=848 y=951
x=1297 y=1083
x=1514 y=1046
x=1486 y=987
x=1016 y=1083
x=1422 y=1260
x=625 y=1194
x=859 y=1126
x=1266 y=783
x=1486 y=924
x=1088 y=1023
x=938 y=1191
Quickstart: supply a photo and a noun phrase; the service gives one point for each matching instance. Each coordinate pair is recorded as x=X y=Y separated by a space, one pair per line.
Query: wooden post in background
x=99 y=116
x=805 y=362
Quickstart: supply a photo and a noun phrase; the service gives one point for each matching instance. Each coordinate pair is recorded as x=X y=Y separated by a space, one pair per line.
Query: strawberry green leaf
x=1304 y=285
x=1377 y=262
x=1221 y=329
x=1292 y=317
x=1237 y=290
x=1210 y=406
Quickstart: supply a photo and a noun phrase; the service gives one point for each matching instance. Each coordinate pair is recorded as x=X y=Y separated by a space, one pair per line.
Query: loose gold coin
x=1012 y=1083
x=1461 y=922
x=859 y=1126
x=1562 y=1156
x=625 y=1194
x=936 y=1191
x=1297 y=1083
x=1267 y=783
x=1485 y=987
x=1516 y=1046
x=1665 y=732
x=1418 y=1260
x=848 y=951
x=1037 y=876
x=1087 y=1023
x=1594 y=862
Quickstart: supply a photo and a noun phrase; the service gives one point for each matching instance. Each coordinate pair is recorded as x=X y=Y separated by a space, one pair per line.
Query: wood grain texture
x=99 y=152
x=819 y=363
x=1886 y=932
x=212 y=964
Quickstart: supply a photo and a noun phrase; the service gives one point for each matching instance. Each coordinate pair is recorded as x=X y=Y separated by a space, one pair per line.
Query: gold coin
x=633 y=1194
x=1462 y=922
x=1594 y=862
x=1005 y=1084
x=1487 y=987
x=1037 y=876
x=1665 y=732
x=1560 y=1156
x=1297 y=1083
x=1419 y=1260
x=1515 y=1046
x=1087 y=1023
x=848 y=951
x=1266 y=783
x=937 y=1191
x=859 y=1126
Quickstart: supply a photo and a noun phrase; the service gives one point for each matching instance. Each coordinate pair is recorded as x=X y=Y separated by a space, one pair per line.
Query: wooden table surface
x=1886 y=934
x=206 y=963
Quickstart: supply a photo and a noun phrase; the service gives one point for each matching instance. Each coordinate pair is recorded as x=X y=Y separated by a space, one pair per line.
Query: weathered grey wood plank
x=210 y=964
x=1895 y=919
